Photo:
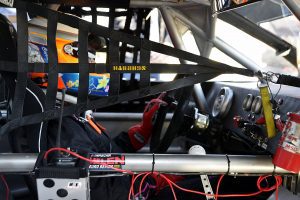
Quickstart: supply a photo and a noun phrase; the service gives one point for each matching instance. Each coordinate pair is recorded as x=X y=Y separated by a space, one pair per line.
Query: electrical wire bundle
x=278 y=180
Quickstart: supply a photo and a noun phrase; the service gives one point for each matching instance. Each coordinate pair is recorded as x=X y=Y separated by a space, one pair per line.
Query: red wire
x=278 y=179
x=277 y=191
x=260 y=179
x=147 y=174
x=170 y=184
x=131 y=190
x=218 y=186
x=6 y=186
x=142 y=181
x=85 y=159
x=174 y=194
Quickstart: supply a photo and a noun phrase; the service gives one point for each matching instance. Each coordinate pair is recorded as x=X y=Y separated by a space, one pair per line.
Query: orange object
x=61 y=56
x=91 y=122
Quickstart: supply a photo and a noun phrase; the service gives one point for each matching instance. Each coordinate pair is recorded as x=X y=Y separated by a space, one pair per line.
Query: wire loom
x=204 y=70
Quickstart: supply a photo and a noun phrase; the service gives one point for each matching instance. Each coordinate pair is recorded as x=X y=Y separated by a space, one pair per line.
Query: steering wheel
x=159 y=143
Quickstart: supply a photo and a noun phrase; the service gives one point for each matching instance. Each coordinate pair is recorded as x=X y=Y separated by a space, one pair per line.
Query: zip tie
x=228 y=162
x=153 y=163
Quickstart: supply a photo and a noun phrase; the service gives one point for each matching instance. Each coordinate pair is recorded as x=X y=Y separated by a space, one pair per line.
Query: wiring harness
x=144 y=175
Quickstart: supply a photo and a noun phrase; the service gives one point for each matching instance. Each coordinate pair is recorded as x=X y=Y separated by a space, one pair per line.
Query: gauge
x=256 y=106
x=222 y=102
x=247 y=103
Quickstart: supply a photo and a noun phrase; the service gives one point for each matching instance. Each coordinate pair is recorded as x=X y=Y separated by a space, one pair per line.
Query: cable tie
x=228 y=162
x=153 y=163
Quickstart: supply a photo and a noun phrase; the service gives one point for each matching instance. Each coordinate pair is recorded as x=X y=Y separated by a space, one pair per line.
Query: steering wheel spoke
x=161 y=145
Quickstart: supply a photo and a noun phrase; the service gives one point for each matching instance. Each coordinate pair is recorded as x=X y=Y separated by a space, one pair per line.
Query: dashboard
x=246 y=103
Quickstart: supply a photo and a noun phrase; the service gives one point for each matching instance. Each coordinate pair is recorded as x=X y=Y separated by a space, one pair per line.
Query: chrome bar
x=110 y=116
x=166 y=163
x=204 y=164
x=217 y=42
x=235 y=54
x=177 y=41
x=17 y=162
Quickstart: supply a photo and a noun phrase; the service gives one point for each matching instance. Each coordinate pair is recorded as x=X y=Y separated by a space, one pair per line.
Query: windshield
x=260 y=53
x=278 y=21
x=275 y=17
x=287 y=28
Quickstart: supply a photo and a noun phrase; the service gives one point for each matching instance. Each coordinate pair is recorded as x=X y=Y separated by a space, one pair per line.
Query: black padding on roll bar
x=288 y=80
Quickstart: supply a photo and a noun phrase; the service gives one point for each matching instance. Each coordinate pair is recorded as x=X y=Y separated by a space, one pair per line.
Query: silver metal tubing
x=189 y=23
x=172 y=29
x=200 y=99
x=172 y=163
x=159 y=3
x=17 y=162
x=167 y=14
x=217 y=42
x=234 y=54
x=294 y=6
x=110 y=116
x=204 y=164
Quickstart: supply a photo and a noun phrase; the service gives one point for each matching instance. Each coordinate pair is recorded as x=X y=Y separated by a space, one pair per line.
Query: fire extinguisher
x=287 y=155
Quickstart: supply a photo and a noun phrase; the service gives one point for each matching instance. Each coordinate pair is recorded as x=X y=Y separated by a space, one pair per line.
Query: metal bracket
x=207 y=186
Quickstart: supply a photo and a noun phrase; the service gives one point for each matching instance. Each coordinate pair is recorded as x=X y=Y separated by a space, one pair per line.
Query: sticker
x=74 y=185
x=290 y=140
x=108 y=160
x=34 y=54
x=98 y=83
x=9 y=3
x=129 y=68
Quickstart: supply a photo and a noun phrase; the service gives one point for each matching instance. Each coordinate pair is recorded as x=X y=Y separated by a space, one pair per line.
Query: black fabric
x=114 y=38
x=78 y=136
x=22 y=39
x=123 y=141
x=53 y=60
x=126 y=30
x=8 y=40
x=26 y=138
x=83 y=138
x=114 y=84
x=129 y=39
x=104 y=102
x=144 y=55
x=8 y=66
x=55 y=172
x=288 y=80
x=83 y=63
x=175 y=125
x=145 y=75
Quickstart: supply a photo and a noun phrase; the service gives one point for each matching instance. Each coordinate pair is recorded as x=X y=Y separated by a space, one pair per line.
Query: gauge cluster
x=250 y=126
x=222 y=103
x=252 y=104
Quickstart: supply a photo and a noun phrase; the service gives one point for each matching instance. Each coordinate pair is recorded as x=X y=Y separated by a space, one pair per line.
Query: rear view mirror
x=225 y=5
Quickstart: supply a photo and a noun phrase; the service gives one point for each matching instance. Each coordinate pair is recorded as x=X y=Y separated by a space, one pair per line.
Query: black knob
x=49 y=183
x=280 y=102
x=62 y=193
